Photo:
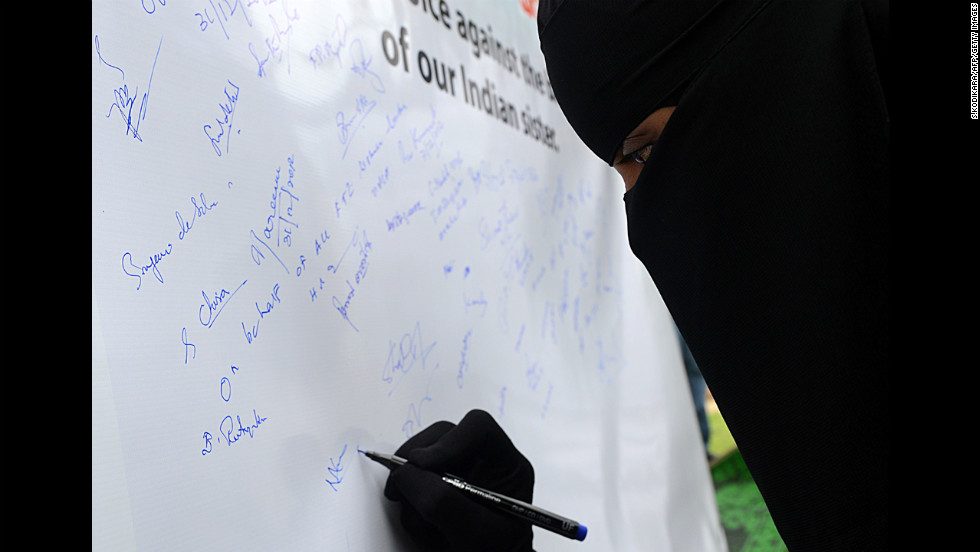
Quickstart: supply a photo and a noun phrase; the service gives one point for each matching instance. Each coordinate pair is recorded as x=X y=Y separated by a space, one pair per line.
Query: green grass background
x=744 y=516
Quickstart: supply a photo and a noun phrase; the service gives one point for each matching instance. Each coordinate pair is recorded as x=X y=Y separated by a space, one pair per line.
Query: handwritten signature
x=232 y=435
x=215 y=305
x=275 y=50
x=138 y=271
x=332 y=49
x=358 y=240
x=347 y=125
x=336 y=471
x=404 y=355
x=362 y=66
x=224 y=120
x=413 y=422
x=198 y=211
x=124 y=102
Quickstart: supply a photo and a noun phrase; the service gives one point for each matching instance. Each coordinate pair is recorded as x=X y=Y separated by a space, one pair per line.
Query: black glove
x=439 y=516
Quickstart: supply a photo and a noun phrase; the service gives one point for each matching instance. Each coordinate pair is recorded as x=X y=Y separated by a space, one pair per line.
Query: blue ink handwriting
x=426 y=142
x=354 y=241
x=123 y=101
x=336 y=471
x=226 y=118
x=499 y=228
x=403 y=356
x=152 y=5
x=215 y=305
x=269 y=305
x=138 y=272
x=274 y=50
x=347 y=125
x=403 y=217
x=533 y=373
x=232 y=435
x=392 y=121
x=364 y=163
x=191 y=346
x=414 y=419
x=547 y=400
x=464 y=363
x=343 y=306
x=362 y=66
x=281 y=212
x=381 y=183
x=479 y=304
x=344 y=196
x=320 y=241
x=220 y=13
x=198 y=211
x=331 y=48
x=258 y=256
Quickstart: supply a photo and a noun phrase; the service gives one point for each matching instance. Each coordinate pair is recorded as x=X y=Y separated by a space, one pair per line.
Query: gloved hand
x=440 y=517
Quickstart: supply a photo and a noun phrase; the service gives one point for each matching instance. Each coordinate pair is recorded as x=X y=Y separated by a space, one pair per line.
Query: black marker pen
x=523 y=510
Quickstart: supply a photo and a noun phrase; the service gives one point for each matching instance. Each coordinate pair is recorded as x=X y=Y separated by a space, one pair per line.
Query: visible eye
x=641 y=155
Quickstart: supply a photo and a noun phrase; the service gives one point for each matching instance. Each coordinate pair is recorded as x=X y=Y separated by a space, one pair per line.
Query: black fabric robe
x=762 y=217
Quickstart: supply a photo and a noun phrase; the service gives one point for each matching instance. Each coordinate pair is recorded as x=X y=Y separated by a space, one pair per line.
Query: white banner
x=322 y=226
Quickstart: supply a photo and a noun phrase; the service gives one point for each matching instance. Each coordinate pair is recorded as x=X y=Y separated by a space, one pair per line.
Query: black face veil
x=762 y=217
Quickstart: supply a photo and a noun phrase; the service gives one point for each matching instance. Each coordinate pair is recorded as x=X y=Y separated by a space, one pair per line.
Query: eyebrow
x=635 y=142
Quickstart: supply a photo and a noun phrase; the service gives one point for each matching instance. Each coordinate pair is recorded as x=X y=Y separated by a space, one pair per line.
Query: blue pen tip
x=582 y=530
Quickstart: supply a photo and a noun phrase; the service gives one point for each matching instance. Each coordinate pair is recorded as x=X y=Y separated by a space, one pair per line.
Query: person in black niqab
x=753 y=139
